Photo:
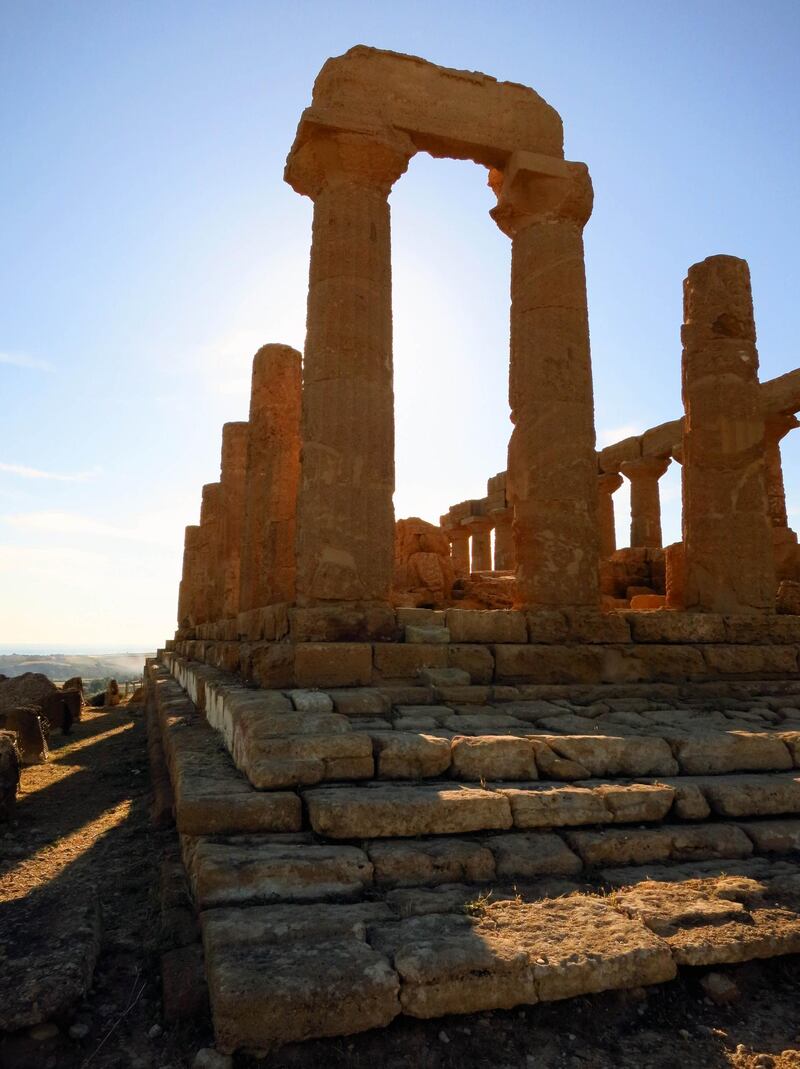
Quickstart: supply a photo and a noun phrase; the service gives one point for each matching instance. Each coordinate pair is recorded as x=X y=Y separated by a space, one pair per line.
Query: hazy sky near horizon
x=150 y=246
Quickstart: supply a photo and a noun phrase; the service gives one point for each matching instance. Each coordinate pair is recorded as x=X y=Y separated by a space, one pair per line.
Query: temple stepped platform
x=444 y=842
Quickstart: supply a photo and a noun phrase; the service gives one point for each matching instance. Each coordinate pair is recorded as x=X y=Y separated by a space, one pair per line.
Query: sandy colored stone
x=267 y=571
x=423 y=569
x=301 y=760
x=681 y=627
x=774 y=836
x=254 y=872
x=407 y=755
x=437 y=861
x=548 y=664
x=543 y=805
x=731 y=751
x=476 y=660
x=384 y=811
x=263 y=996
x=530 y=856
x=552 y=766
x=644 y=473
x=635 y=846
x=360 y=701
x=406 y=661
x=543 y=205
x=493 y=757
x=607 y=755
x=281 y=924
x=311 y=701
x=756 y=661
x=726 y=529
x=340 y=664
x=475 y=625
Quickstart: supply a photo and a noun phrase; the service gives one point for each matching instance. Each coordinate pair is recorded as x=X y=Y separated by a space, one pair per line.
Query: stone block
x=638 y=846
x=426 y=635
x=486 y=625
x=652 y=662
x=301 y=760
x=548 y=806
x=493 y=757
x=406 y=755
x=587 y=626
x=680 y=627
x=753 y=661
x=311 y=701
x=445 y=677
x=270 y=664
x=252 y=872
x=548 y=664
x=361 y=701
x=280 y=924
x=356 y=622
x=426 y=864
x=420 y=617
x=477 y=661
x=333 y=664
x=445 y=966
x=546 y=626
x=731 y=751
x=461 y=695
x=609 y=755
x=400 y=660
x=530 y=856
x=265 y=996
x=223 y=813
x=774 y=836
x=384 y=811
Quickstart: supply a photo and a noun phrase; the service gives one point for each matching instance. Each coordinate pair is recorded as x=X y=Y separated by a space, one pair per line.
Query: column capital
x=645 y=467
x=608 y=482
x=329 y=157
x=540 y=189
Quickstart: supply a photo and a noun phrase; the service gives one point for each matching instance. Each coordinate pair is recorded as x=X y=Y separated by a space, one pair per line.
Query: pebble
x=155 y=1032
x=79 y=1030
x=443 y=1036
x=682 y=1032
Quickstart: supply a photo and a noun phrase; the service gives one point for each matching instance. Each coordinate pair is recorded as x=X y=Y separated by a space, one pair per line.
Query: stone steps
x=292 y=972
x=389 y=863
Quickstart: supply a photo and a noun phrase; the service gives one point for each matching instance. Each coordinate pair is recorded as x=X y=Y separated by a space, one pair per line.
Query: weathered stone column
x=209 y=573
x=267 y=571
x=345 y=514
x=644 y=474
x=607 y=484
x=232 y=477
x=459 y=546
x=480 y=529
x=776 y=428
x=543 y=205
x=504 y=557
x=187 y=596
x=727 y=534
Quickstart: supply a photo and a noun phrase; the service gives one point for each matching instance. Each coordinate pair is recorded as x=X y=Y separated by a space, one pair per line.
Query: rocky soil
x=79 y=878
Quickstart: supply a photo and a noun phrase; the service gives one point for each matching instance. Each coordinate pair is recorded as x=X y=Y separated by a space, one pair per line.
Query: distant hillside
x=120 y=666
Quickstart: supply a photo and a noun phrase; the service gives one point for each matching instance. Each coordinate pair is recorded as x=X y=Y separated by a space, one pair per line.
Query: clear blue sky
x=150 y=245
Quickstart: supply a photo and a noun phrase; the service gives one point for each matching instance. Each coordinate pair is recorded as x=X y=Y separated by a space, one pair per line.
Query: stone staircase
x=444 y=846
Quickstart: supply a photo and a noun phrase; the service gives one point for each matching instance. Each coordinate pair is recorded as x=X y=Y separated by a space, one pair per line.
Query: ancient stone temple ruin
x=409 y=760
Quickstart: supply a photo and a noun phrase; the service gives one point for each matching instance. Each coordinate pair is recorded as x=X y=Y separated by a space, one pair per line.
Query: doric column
x=459 y=546
x=775 y=428
x=504 y=557
x=543 y=205
x=209 y=573
x=186 y=591
x=727 y=535
x=607 y=484
x=480 y=529
x=345 y=514
x=232 y=477
x=644 y=473
x=267 y=573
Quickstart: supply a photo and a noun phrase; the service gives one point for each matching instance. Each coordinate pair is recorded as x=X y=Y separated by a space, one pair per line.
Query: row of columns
x=241 y=556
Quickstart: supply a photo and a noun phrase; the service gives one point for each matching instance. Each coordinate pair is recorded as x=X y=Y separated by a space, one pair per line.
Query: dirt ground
x=83 y=825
